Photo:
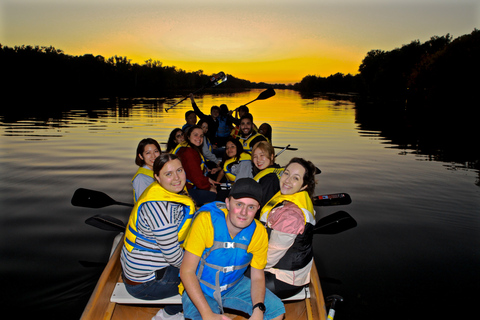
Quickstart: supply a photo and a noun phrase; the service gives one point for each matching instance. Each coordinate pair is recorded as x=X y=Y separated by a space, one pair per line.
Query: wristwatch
x=260 y=306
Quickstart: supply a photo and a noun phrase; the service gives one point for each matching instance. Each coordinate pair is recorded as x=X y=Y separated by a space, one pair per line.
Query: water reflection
x=418 y=222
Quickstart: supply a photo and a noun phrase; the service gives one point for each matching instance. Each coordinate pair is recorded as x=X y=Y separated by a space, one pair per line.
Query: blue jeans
x=239 y=298
x=159 y=289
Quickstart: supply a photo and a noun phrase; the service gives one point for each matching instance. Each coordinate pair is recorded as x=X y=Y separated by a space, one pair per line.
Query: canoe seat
x=120 y=295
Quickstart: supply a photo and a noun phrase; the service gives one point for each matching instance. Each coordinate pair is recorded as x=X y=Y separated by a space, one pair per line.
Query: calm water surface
x=416 y=249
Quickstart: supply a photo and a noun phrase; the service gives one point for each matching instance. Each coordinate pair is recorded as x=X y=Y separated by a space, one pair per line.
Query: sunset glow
x=280 y=41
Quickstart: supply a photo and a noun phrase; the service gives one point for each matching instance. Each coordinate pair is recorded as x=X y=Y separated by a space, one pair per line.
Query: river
x=415 y=251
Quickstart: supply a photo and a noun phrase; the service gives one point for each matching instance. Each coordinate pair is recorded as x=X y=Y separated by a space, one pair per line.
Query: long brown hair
x=309 y=176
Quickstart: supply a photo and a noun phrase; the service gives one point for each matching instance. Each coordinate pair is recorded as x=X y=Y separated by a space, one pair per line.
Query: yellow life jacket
x=246 y=143
x=264 y=172
x=301 y=199
x=145 y=171
x=227 y=166
x=155 y=192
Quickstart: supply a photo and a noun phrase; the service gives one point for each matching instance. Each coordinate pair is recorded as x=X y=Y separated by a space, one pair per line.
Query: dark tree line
x=34 y=72
x=439 y=70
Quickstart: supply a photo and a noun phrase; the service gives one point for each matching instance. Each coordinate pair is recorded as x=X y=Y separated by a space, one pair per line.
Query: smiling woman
x=147 y=151
x=289 y=217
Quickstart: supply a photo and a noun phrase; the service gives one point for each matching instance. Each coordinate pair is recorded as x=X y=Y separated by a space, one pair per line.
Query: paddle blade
x=91 y=199
x=335 y=223
x=266 y=94
x=106 y=223
x=336 y=199
x=218 y=78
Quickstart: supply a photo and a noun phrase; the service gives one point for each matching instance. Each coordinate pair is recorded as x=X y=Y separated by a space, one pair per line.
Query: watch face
x=260 y=306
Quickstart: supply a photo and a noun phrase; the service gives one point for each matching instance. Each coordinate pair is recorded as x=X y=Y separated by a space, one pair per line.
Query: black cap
x=246 y=188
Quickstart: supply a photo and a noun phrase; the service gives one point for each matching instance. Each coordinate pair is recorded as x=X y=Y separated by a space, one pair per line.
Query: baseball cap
x=246 y=188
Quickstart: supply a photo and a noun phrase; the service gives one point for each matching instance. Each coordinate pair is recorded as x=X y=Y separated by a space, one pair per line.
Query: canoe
x=100 y=306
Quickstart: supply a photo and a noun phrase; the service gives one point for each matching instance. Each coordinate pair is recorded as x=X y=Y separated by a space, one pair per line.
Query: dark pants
x=162 y=288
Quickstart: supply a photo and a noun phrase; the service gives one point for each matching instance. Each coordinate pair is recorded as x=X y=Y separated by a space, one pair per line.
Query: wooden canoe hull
x=100 y=307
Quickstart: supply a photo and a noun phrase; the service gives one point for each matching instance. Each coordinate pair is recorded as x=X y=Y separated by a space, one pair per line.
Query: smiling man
x=248 y=136
x=224 y=240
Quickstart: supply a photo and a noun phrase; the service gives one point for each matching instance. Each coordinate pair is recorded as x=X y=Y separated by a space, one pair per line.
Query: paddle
x=105 y=222
x=336 y=199
x=334 y=223
x=94 y=199
x=332 y=300
x=286 y=148
x=214 y=81
x=281 y=151
x=264 y=95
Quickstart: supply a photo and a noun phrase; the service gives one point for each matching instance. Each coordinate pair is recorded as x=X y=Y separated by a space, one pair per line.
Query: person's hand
x=215 y=170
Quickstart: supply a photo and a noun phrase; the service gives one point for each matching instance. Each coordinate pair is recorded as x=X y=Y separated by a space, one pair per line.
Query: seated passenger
x=191 y=119
x=152 y=253
x=289 y=218
x=237 y=163
x=248 y=136
x=266 y=172
x=175 y=137
x=147 y=151
x=266 y=130
x=200 y=187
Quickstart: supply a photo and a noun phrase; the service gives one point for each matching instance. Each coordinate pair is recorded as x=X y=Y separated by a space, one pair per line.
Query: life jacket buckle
x=229 y=245
x=223 y=288
x=228 y=269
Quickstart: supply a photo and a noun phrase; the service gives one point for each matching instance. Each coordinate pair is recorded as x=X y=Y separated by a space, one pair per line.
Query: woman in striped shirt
x=152 y=251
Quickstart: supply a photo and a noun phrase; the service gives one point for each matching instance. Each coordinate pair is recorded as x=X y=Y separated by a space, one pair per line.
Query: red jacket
x=191 y=162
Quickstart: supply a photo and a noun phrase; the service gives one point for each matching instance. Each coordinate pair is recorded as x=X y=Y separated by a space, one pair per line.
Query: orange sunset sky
x=272 y=41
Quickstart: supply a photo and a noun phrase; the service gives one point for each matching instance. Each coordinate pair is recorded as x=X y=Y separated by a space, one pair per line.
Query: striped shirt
x=156 y=221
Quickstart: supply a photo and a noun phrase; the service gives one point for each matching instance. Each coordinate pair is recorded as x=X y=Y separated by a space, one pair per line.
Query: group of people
x=245 y=252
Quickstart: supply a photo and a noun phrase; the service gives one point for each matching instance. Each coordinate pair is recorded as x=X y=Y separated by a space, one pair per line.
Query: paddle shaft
x=214 y=81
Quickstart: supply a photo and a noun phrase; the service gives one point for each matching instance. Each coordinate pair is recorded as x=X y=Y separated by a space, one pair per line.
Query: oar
x=335 y=223
x=264 y=95
x=94 y=199
x=286 y=148
x=332 y=300
x=281 y=151
x=336 y=199
x=332 y=224
x=214 y=81
x=105 y=222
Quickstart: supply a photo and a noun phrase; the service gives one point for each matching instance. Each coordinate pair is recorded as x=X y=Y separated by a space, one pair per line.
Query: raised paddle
x=335 y=223
x=264 y=95
x=214 y=81
x=335 y=199
x=94 y=199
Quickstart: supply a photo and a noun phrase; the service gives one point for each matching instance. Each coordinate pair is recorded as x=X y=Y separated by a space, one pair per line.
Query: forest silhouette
x=420 y=96
x=438 y=70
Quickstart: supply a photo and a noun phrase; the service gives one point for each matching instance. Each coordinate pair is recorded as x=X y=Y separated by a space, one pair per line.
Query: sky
x=261 y=41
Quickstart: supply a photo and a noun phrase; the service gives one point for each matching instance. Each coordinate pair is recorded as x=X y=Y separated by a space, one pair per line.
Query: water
x=415 y=249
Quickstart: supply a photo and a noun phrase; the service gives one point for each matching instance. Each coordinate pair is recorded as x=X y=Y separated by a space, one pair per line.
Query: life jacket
x=223 y=130
x=227 y=165
x=155 y=192
x=223 y=264
x=145 y=171
x=300 y=253
x=246 y=142
x=264 y=172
